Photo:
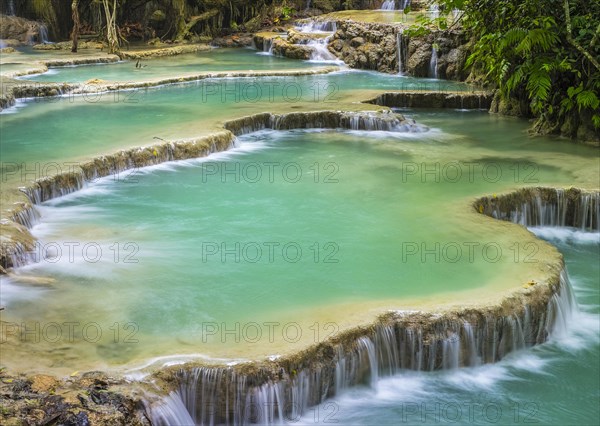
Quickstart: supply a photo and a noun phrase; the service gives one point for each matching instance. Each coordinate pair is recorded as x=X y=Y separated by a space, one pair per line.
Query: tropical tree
x=540 y=54
x=76 y=25
x=111 y=25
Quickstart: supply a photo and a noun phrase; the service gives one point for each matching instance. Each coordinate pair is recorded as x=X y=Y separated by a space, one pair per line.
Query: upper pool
x=173 y=66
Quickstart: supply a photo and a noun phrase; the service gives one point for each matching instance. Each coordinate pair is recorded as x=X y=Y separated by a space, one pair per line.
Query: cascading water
x=11 y=8
x=433 y=71
x=589 y=211
x=43 y=34
x=318 y=27
x=320 y=53
x=401 y=51
x=456 y=13
x=267 y=46
x=388 y=5
x=434 y=11
x=368 y=347
x=221 y=396
x=551 y=207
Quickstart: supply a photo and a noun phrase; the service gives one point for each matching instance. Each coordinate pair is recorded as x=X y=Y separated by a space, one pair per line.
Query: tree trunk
x=186 y=27
x=111 y=26
x=76 y=24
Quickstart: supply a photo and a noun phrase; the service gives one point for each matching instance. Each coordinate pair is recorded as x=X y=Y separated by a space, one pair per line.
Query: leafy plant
x=544 y=53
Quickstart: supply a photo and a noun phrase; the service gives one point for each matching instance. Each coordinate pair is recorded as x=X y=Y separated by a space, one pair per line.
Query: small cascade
x=382 y=121
x=434 y=11
x=456 y=14
x=401 y=51
x=170 y=411
x=547 y=207
x=28 y=216
x=268 y=46
x=11 y=11
x=589 y=211
x=388 y=355
x=366 y=121
x=367 y=348
x=561 y=308
x=53 y=187
x=451 y=351
x=320 y=52
x=469 y=336
x=43 y=34
x=388 y=5
x=318 y=27
x=433 y=69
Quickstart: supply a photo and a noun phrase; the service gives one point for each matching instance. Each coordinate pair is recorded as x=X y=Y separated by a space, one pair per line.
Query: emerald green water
x=175 y=247
x=52 y=130
x=157 y=289
x=210 y=61
x=556 y=383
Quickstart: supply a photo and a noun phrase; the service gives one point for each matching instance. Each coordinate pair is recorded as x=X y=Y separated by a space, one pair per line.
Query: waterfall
x=368 y=348
x=589 y=211
x=43 y=32
x=275 y=394
x=307 y=4
x=170 y=411
x=401 y=51
x=11 y=8
x=318 y=27
x=456 y=14
x=268 y=46
x=388 y=5
x=433 y=71
x=561 y=308
x=434 y=11
x=320 y=53
x=451 y=351
x=382 y=121
x=547 y=207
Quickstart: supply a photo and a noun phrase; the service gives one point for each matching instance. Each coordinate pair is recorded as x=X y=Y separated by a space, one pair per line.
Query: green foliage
x=287 y=12
x=522 y=48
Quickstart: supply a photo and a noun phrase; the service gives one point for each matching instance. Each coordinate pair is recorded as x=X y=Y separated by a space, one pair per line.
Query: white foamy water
x=566 y=235
x=19 y=103
x=520 y=387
